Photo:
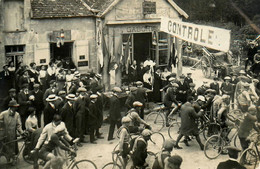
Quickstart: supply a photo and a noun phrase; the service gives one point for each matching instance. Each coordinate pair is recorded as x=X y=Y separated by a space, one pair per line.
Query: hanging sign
x=212 y=37
x=149 y=7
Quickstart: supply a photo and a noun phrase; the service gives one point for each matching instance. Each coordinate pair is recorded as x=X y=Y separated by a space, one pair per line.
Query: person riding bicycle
x=246 y=125
x=220 y=105
x=136 y=120
x=244 y=99
x=159 y=162
x=124 y=141
x=171 y=102
x=140 y=149
x=56 y=140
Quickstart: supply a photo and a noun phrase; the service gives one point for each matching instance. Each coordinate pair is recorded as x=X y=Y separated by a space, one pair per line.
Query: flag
x=99 y=45
x=127 y=54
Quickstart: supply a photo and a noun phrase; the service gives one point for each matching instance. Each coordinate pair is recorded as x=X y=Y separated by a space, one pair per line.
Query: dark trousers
x=79 y=128
x=23 y=119
x=91 y=133
x=113 y=124
x=38 y=115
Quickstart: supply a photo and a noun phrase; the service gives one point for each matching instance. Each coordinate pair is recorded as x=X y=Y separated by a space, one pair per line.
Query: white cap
x=202 y=98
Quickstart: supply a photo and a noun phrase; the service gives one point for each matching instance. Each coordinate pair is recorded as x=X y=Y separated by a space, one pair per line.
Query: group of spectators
x=36 y=96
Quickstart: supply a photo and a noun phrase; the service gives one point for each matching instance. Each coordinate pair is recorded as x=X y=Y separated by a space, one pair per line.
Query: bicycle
x=251 y=155
x=24 y=150
x=216 y=144
x=157 y=139
x=156 y=117
x=74 y=164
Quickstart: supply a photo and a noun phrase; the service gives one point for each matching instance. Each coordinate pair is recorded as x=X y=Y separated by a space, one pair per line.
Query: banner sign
x=212 y=37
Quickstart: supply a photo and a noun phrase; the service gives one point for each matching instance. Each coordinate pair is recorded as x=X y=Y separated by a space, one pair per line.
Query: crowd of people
x=71 y=105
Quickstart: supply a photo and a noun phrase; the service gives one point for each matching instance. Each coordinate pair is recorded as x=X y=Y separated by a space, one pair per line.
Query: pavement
x=100 y=153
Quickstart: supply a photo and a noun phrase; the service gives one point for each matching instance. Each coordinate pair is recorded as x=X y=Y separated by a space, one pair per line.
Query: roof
x=104 y=6
x=59 y=8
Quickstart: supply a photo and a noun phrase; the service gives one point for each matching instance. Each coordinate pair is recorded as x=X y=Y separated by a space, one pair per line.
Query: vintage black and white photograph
x=129 y=84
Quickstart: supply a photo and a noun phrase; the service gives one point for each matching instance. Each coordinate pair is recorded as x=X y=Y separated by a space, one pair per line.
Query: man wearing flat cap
x=81 y=113
x=38 y=102
x=23 y=100
x=130 y=98
x=188 y=79
x=141 y=96
x=51 y=90
x=93 y=118
x=173 y=162
x=7 y=99
x=232 y=161
x=114 y=112
x=10 y=122
x=227 y=87
x=182 y=90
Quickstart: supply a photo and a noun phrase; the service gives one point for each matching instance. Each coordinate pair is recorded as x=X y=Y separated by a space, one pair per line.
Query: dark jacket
x=170 y=98
x=230 y=164
x=48 y=113
x=67 y=115
x=49 y=92
x=215 y=87
x=182 y=92
x=227 y=88
x=115 y=108
x=188 y=117
x=23 y=101
x=38 y=101
x=140 y=95
x=92 y=118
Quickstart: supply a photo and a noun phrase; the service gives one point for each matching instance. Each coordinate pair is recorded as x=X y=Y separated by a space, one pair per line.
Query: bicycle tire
x=213 y=147
x=80 y=165
x=156 y=121
x=27 y=155
x=115 y=149
x=237 y=143
x=171 y=129
x=112 y=165
x=157 y=141
x=215 y=127
x=250 y=157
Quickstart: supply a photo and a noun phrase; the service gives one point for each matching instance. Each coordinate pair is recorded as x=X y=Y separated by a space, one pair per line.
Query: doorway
x=63 y=52
x=142 y=46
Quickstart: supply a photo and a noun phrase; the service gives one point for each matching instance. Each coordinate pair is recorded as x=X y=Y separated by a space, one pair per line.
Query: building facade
x=92 y=33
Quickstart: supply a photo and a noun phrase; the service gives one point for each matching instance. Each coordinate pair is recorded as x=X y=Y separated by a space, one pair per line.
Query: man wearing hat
x=188 y=79
x=170 y=101
x=68 y=115
x=93 y=118
x=81 y=113
x=114 y=112
x=11 y=122
x=130 y=98
x=159 y=162
x=6 y=80
x=37 y=103
x=60 y=102
x=182 y=90
x=23 y=100
x=214 y=85
x=202 y=89
x=7 y=99
x=141 y=96
x=51 y=90
x=50 y=109
x=226 y=87
x=232 y=161
x=173 y=162
x=192 y=91
x=244 y=99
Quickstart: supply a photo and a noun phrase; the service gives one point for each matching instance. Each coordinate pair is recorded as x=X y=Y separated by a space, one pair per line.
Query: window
x=13 y=15
x=14 y=54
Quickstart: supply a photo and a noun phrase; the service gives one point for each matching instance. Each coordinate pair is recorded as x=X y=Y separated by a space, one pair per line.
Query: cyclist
x=246 y=125
x=124 y=140
x=244 y=99
x=136 y=120
x=170 y=101
x=159 y=162
x=140 y=150
x=56 y=140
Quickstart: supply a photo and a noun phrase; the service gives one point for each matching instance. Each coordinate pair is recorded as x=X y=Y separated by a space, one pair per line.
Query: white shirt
x=31 y=123
x=149 y=63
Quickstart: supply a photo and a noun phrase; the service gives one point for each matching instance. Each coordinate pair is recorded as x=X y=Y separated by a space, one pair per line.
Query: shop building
x=92 y=33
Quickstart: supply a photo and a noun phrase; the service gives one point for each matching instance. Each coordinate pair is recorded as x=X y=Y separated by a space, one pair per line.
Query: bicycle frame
x=4 y=145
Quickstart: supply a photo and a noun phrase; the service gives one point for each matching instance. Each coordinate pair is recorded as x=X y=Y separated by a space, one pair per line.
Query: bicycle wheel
x=150 y=158
x=114 y=155
x=27 y=155
x=156 y=142
x=237 y=142
x=84 y=164
x=155 y=120
x=171 y=129
x=211 y=129
x=112 y=165
x=213 y=147
x=248 y=158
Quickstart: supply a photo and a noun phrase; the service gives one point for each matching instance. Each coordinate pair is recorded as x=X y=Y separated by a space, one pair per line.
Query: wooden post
x=178 y=43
